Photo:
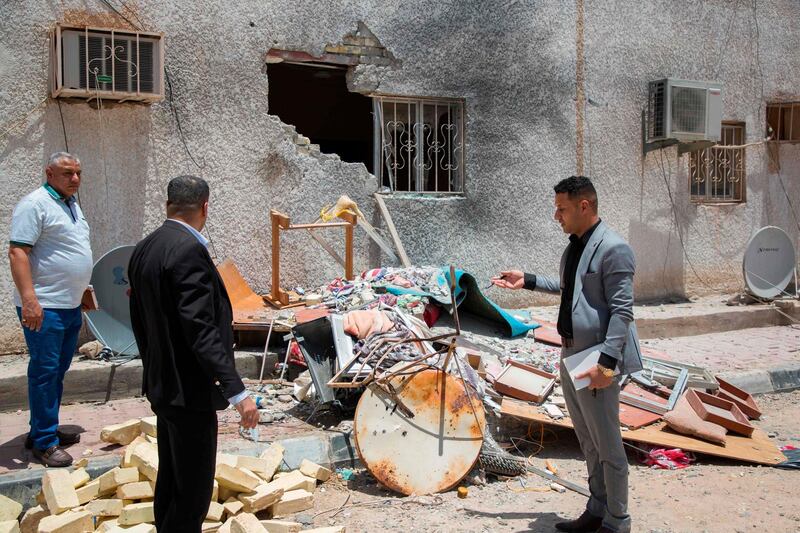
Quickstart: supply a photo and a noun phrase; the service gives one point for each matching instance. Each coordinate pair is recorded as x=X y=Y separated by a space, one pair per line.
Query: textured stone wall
x=513 y=62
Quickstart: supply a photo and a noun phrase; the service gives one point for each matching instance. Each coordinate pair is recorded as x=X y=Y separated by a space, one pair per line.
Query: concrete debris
x=249 y=493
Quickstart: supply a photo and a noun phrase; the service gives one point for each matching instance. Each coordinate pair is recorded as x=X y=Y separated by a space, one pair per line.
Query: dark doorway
x=314 y=99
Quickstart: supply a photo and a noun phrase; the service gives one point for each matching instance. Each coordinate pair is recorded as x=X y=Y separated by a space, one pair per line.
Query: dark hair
x=187 y=192
x=578 y=187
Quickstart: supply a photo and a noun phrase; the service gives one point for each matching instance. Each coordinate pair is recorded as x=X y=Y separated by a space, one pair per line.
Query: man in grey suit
x=596 y=288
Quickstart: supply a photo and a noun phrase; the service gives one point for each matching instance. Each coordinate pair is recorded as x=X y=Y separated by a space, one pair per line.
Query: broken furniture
x=250 y=312
x=757 y=449
x=419 y=433
x=685 y=420
x=280 y=222
x=346 y=206
x=743 y=400
x=719 y=411
x=646 y=377
x=524 y=382
x=667 y=373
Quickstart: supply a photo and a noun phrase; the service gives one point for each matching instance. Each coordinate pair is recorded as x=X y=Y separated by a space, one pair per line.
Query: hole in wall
x=316 y=101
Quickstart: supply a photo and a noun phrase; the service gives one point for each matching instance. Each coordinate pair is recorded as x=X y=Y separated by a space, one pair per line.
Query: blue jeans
x=51 y=350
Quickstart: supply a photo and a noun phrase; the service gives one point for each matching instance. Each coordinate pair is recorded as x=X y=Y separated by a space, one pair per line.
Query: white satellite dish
x=769 y=262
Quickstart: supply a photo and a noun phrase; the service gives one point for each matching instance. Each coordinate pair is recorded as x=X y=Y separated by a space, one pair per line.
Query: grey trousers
x=596 y=421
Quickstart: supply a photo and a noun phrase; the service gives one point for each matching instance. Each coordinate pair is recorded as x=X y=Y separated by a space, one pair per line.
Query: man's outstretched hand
x=509 y=279
x=248 y=413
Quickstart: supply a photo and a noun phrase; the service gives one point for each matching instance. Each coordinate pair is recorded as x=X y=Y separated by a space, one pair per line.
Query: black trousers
x=187 y=449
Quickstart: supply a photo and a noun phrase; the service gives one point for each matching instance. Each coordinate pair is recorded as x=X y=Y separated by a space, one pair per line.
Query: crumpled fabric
x=362 y=324
x=668 y=459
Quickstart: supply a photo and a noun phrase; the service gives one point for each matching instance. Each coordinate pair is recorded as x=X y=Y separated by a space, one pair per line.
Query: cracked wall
x=513 y=63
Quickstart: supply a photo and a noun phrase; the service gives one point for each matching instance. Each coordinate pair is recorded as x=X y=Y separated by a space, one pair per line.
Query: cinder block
x=246 y=523
x=126 y=458
x=135 y=491
x=111 y=507
x=116 y=477
x=88 y=492
x=263 y=497
x=227 y=459
x=145 y=459
x=257 y=465
x=274 y=457
x=225 y=494
x=9 y=526
x=80 y=477
x=214 y=491
x=123 y=433
x=233 y=506
x=136 y=513
x=9 y=509
x=106 y=525
x=292 y=481
x=215 y=512
x=226 y=526
x=68 y=522
x=293 y=501
x=59 y=493
x=149 y=426
x=281 y=526
x=235 y=478
x=30 y=520
x=314 y=470
x=210 y=526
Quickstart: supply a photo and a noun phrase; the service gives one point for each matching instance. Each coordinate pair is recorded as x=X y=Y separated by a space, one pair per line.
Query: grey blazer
x=602 y=302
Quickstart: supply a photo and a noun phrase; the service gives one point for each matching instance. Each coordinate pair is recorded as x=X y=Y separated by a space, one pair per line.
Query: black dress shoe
x=53 y=456
x=586 y=523
x=64 y=439
x=604 y=529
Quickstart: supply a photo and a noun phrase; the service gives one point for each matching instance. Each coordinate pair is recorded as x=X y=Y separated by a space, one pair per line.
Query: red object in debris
x=307 y=315
x=668 y=459
x=431 y=314
x=294 y=356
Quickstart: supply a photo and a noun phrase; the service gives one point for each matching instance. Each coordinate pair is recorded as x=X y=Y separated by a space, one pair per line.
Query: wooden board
x=547 y=332
x=393 y=231
x=635 y=417
x=757 y=449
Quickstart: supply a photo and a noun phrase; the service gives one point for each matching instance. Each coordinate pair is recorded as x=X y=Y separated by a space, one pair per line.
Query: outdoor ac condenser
x=684 y=110
x=109 y=64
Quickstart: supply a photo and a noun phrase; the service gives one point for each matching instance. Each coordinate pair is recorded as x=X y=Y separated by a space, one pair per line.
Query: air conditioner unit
x=684 y=110
x=107 y=64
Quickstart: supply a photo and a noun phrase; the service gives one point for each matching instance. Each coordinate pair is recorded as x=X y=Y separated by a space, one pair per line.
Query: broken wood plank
x=401 y=251
x=757 y=449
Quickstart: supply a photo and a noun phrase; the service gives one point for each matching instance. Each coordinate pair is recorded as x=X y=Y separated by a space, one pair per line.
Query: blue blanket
x=470 y=298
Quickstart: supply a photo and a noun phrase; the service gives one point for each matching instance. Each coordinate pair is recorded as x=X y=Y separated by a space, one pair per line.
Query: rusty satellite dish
x=430 y=451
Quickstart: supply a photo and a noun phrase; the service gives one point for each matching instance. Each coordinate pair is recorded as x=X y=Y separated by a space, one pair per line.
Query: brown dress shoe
x=586 y=523
x=53 y=456
x=64 y=439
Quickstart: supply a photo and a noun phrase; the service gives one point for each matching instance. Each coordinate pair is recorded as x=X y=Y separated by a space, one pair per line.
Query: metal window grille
x=718 y=175
x=783 y=121
x=419 y=144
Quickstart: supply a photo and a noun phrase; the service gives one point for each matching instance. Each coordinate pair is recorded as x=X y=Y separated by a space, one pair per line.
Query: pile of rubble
x=250 y=495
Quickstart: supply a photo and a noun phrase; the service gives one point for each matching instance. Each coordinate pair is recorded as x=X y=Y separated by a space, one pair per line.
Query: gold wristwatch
x=607 y=372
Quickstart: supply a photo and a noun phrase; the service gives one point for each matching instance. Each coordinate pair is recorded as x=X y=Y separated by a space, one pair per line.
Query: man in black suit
x=182 y=320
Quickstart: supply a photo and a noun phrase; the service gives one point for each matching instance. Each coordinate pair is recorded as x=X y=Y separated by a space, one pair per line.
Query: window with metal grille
x=718 y=174
x=783 y=121
x=106 y=63
x=419 y=144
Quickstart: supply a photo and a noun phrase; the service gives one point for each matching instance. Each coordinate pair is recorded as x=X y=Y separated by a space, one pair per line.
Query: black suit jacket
x=182 y=320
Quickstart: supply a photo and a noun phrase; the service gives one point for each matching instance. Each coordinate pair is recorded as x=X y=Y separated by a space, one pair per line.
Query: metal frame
x=415 y=165
x=656 y=407
x=710 y=166
x=699 y=377
x=780 y=107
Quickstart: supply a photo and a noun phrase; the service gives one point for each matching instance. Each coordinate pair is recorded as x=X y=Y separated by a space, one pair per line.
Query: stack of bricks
x=364 y=46
x=249 y=495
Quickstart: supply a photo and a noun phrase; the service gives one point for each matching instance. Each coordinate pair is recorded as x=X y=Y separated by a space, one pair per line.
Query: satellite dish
x=769 y=262
x=111 y=324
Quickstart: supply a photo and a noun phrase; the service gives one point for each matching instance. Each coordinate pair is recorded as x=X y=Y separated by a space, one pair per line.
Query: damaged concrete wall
x=514 y=63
